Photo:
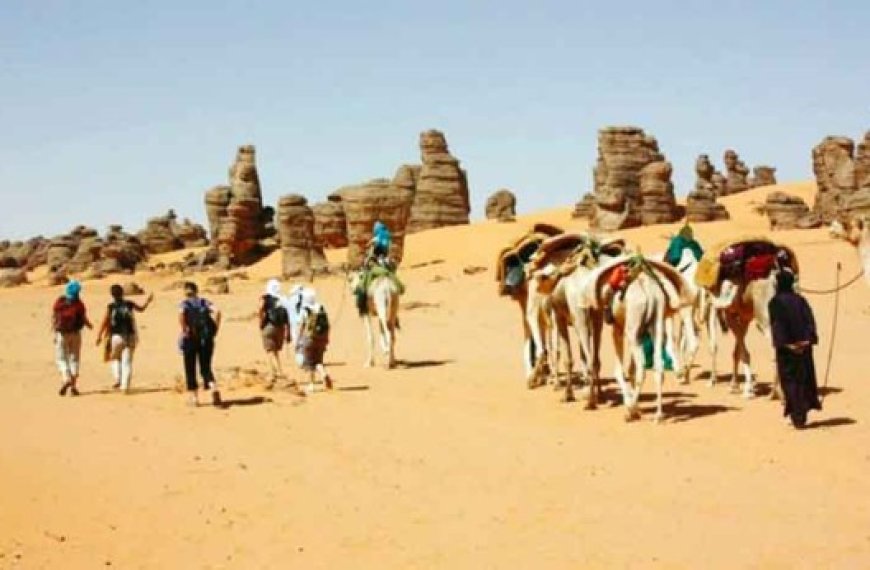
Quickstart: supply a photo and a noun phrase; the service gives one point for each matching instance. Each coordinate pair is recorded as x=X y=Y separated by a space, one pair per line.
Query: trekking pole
x=833 y=332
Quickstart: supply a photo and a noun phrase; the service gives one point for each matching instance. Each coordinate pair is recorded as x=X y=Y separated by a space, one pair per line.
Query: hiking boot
x=74 y=391
x=327 y=381
x=216 y=398
x=63 y=389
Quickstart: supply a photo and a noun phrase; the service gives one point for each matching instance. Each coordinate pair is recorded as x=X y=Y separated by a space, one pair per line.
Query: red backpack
x=69 y=316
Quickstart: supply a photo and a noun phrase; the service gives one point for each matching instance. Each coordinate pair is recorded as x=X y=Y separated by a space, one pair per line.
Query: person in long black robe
x=794 y=335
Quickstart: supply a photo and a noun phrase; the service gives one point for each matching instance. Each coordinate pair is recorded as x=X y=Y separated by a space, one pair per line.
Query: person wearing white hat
x=274 y=320
x=293 y=304
x=313 y=338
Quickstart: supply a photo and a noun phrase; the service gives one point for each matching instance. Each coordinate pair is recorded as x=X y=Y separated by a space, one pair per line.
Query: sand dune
x=446 y=462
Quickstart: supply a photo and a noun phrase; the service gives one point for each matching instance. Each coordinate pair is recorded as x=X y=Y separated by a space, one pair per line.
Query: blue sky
x=116 y=111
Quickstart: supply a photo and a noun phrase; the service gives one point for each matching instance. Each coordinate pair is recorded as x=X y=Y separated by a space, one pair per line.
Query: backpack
x=317 y=324
x=197 y=316
x=121 y=319
x=276 y=314
x=68 y=315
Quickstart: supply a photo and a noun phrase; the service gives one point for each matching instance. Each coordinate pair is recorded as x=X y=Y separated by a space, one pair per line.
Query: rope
x=836 y=289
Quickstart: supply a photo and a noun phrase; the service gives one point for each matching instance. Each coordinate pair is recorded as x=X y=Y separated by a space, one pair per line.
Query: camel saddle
x=668 y=277
x=509 y=266
x=746 y=258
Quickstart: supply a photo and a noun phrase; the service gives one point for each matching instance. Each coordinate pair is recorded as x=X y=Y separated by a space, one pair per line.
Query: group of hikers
x=301 y=320
x=297 y=320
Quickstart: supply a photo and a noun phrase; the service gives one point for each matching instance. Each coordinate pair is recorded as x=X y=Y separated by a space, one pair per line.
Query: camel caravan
x=657 y=308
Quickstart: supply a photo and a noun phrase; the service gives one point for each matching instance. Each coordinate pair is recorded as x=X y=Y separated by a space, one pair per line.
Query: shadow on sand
x=421 y=363
x=132 y=392
x=252 y=401
x=831 y=422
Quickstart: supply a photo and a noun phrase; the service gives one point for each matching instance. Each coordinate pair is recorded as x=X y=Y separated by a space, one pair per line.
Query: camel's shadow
x=410 y=364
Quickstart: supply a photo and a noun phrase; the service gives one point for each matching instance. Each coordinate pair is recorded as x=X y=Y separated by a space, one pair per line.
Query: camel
x=857 y=232
x=654 y=294
x=511 y=277
x=562 y=281
x=740 y=303
x=382 y=302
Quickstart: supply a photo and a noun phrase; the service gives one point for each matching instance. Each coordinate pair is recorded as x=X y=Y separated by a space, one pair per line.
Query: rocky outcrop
x=26 y=255
x=585 y=207
x=762 y=176
x=623 y=152
x=858 y=203
x=736 y=173
x=407 y=176
x=12 y=277
x=236 y=216
x=787 y=212
x=120 y=252
x=330 y=225
x=158 y=237
x=658 y=204
x=701 y=206
x=501 y=206
x=296 y=235
x=363 y=205
x=440 y=197
x=834 y=168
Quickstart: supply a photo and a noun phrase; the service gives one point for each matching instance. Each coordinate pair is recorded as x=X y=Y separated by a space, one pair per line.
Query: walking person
x=274 y=322
x=313 y=339
x=69 y=317
x=200 y=322
x=119 y=328
x=793 y=328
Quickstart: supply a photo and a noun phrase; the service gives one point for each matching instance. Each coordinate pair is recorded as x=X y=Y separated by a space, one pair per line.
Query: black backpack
x=276 y=314
x=317 y=324
x=198 y=318
x=121 y=318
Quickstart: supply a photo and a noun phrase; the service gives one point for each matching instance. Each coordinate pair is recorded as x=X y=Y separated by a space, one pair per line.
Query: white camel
x=510 y=266
x=857 y=232
x=382 y=304
x=654 y=294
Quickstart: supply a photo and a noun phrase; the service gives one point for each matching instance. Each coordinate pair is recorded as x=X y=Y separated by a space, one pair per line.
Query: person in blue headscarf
x=68 y=318
x=379 y=245
x=685 y=239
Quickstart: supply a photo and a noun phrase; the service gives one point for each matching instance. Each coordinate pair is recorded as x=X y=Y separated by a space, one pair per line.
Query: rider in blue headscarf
x=381 y=241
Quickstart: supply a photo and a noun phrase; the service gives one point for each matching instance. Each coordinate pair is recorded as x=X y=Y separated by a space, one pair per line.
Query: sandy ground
x=447 y=461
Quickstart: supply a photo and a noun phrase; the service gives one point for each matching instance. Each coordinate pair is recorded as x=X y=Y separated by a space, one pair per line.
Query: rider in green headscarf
x=685 y=239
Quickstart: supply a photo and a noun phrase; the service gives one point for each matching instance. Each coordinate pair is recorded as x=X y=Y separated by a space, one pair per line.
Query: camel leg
x=690 y=345
x=533 y=319
x=659 y=366
x=597 y=322
x=670 y=346
x=370 y=342
x=563 y=344
x=581 y=327
x=620 y=368
x=713 y=343
x=636 y=355
x=387 y=315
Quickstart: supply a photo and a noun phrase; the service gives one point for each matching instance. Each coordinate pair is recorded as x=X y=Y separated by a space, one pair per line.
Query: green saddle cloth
x=378 y=271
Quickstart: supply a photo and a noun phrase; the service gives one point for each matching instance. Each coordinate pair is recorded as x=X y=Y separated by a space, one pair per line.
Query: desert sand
x=448 y=461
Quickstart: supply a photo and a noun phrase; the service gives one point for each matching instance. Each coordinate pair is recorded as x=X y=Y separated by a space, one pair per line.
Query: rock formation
x=736 y=173
x=330 y=225
x=26 y=255
x=585 y=207
x=787 y=212
x=701 y=206
x=658 y=204
x=834 y=168
x=623 y=152
x=121 y=252
x=12 y=277
x=158 y=237
x=441 y=194
x=762 y=176
x=366 y=203
x=407 y=176
x=859 y=202
x=236 y=216
x=296 y=234
x=501 y=206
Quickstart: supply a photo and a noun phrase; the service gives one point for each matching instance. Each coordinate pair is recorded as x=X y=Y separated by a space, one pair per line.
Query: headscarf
x=785 y=282
x=686 y=232
x=72 y=290
x=273 y=288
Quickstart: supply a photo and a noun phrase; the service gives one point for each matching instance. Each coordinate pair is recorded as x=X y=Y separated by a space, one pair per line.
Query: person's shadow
x=251 y=401
x=831 y=422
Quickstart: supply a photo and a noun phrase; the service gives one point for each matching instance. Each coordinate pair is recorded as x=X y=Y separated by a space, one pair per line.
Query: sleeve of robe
x=809 y=333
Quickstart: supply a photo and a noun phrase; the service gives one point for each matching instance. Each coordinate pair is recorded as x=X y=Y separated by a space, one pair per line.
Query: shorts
x=312 y=353
x=273 y=338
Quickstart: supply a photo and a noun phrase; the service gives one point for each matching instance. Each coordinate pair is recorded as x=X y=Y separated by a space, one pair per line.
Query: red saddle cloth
x=759 y=266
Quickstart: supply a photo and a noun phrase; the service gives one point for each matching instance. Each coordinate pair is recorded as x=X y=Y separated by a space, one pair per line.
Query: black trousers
x=198 y=351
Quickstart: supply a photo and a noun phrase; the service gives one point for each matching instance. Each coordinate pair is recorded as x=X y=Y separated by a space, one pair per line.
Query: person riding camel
x=685 y=239
x=379 y=244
